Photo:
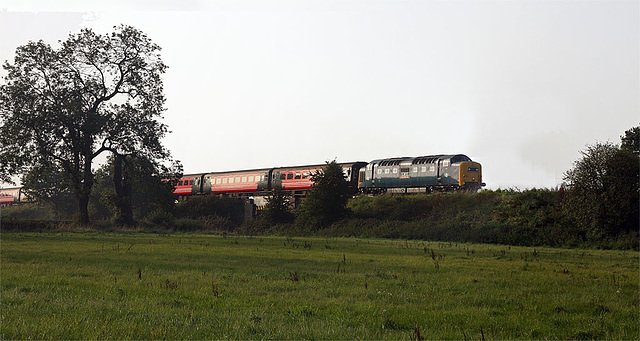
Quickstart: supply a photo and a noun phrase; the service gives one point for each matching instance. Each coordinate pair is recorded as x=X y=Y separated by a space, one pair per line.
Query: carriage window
x=414 y=169
x=424 y=169
x=218 y=181
x=237 y=179
x=230 y=180
x=446 y=163
x=190 y=182
x=244 y=179
x=432 y=169
x=386 y=171
x=395 y=170
x=180 y=183
x=298 y=176
x=289 y=176
x=250 y=178
x=305 y=175
x=225 y=180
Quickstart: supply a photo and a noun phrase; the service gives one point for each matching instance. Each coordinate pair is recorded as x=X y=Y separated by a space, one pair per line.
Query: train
x=400 y=174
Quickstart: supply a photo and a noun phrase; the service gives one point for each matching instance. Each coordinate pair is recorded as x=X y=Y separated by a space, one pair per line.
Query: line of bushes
x=535 y=217
x=528 y=218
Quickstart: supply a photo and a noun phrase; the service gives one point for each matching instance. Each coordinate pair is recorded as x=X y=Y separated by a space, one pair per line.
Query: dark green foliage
x=326 y=202
x=278 y=209
x=528 y=218
x=216 y=213
x=631 y=140
x=602 y=191
x=29 y=212
x=145 y=189
x=51 y=188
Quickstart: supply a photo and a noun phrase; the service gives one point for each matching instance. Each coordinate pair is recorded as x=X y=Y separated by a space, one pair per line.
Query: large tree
x=603 y=190
x=94 y=94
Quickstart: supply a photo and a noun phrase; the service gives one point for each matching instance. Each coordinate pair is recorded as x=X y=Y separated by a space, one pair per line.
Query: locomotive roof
x=421 y=159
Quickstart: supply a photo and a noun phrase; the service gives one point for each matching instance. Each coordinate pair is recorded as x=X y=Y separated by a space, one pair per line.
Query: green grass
x=184 y=286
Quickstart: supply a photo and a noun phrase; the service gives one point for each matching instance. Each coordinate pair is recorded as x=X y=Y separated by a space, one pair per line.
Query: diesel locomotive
x=434 y=172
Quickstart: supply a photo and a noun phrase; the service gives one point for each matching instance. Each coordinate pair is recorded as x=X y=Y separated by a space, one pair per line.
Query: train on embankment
x=400 y=174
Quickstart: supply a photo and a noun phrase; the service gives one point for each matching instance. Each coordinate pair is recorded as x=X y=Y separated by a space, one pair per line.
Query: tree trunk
x=122 y=187
x=85 y=190
x=83 y=209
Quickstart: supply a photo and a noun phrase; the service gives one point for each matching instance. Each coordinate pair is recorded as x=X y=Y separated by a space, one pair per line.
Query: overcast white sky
x=519 y=86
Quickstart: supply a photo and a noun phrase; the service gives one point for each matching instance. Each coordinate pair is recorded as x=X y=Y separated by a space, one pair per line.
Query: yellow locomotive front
x=470 y=175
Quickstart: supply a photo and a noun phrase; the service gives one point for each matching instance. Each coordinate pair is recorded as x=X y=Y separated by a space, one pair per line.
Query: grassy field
x=184 y=286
